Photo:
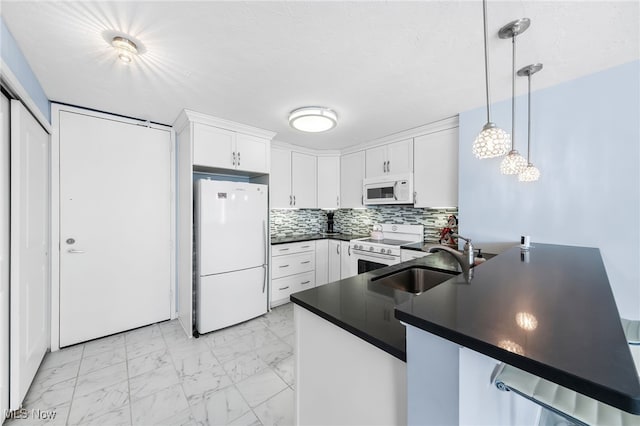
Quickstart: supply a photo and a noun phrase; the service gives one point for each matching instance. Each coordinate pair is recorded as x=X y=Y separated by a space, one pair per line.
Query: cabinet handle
x=338 y=249
x=283 y=288
x=283 y=266
x=384 y=167
x=338 y=201
x=294 y=200
x=284 y=249
x=233 y=155
x=305 y=246
x=302 y=263
x=290 y=200
x=349 y=250
x=362 y=200
x=415 y=197
x=238 y=158
x=389 y=166
x=305 y=282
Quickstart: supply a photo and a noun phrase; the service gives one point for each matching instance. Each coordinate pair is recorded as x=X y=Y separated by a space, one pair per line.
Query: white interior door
x=115 y=226
x=29 y=281
x=4 y=252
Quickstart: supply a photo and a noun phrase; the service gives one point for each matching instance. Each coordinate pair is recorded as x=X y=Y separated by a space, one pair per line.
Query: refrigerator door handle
x=266 y=251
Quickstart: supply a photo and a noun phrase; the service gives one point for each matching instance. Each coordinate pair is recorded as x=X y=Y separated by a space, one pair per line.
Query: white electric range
x=369 y=254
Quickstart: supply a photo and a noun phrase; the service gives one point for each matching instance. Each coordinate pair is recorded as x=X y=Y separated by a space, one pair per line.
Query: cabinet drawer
x=283 y=287
x=283 y=266
x=292 y=248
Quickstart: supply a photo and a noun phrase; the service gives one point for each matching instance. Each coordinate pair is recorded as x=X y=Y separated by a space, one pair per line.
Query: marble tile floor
x=242 y=375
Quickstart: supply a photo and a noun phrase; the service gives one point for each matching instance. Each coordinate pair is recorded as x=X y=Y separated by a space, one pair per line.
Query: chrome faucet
x=465 y=259
x=468 y=249
x=464 y=264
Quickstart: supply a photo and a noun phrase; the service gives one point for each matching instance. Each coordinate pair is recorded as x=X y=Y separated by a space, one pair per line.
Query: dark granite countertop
x=310 y=237
x=549 y=311
x=365 y=308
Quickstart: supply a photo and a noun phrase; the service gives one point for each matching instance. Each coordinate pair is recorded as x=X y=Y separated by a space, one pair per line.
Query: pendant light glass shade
x=531 y=172
x=513 y=163
x=492 y=140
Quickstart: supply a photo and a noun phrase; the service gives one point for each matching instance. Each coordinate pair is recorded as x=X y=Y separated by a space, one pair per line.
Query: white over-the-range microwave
x=390 y=189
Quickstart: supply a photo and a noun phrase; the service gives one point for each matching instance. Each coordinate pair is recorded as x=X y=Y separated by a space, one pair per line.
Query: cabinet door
x=351 y=175
x=400 y=157
x=436 y=172
x=329 y=182
x=334 y=260
x=213 y=147
x=322 y=262
x=280 y=179
x=303 y=180
x=376 y=161
x=252 y=153
x=346 y=260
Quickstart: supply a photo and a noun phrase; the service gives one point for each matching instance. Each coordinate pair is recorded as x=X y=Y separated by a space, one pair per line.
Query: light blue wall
x=17 y=63
x=585 y=141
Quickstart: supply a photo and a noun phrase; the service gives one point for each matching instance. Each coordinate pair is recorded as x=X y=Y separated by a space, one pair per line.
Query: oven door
x=366 y=261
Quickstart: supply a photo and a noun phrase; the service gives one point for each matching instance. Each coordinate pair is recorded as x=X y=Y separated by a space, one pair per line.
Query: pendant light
x=513 y=163
x=531 y=172
x=492 y=141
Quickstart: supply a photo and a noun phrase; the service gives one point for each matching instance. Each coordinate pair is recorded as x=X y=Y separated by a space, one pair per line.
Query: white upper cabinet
x=252 y=153
x=213 y=147
x=303 y=180
x=351 y=175
x=436 y=169
x=393 y=159
x=329 y=182
x=280 y=179
x=292 y=183
x=222 y=144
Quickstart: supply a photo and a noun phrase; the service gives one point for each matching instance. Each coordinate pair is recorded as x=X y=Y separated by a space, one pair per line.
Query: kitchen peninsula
x=549 y=311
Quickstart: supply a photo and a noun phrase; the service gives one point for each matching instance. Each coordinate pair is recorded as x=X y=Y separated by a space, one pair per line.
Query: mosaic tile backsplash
x=359 y=221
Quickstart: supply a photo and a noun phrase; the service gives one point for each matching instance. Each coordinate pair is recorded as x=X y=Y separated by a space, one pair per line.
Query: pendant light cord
x=513 y=94
x=529 y=119
x=486 y=57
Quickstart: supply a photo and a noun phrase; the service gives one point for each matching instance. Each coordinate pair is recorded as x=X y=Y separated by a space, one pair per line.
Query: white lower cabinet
x=322 y=262
x=347 y=267
x=293 y=269
x=334 y=260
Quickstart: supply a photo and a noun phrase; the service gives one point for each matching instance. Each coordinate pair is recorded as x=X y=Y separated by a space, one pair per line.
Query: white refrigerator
x=231 y=253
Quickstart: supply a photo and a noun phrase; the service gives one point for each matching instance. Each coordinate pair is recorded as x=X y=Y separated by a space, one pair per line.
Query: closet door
x=115 y=226
x=30 y=269
x=4 y=252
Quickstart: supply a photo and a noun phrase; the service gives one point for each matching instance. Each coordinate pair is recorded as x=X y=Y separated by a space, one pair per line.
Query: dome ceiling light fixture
x=492 y=141
x=125 y=48
x=531 y=172
x=513 y=163
x=313 y=119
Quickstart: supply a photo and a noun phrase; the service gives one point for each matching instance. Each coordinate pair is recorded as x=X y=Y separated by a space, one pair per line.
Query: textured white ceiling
x=383 y=66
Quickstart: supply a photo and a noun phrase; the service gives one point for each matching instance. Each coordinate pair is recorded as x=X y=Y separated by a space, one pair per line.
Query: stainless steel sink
x=414 y=280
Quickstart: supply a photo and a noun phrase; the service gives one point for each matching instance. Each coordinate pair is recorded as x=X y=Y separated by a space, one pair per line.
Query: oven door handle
x=371 y=254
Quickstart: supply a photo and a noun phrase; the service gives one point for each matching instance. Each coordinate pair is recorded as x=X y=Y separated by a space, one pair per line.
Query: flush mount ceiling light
x=513 y=163
x=125 y=47
x=492 y=141
x=531 y=172
x=313 y=119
